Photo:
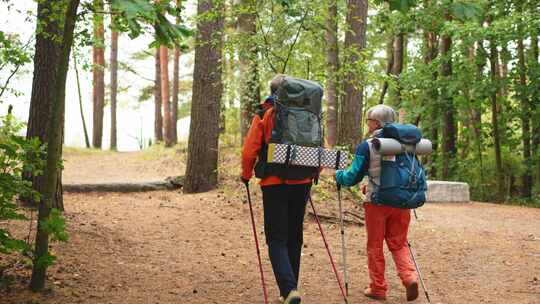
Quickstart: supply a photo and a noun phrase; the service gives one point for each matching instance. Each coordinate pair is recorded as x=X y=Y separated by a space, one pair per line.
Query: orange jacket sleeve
x=252 y=145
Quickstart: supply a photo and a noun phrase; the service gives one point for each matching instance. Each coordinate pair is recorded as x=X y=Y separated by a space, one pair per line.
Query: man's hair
x=275 y=82
x=382 y=113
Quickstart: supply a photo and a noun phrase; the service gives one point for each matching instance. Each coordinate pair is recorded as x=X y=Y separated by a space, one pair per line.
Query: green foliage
x=17 y=155
x=138 y=16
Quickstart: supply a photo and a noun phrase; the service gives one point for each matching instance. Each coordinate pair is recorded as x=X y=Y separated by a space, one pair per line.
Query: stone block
x=448 y=192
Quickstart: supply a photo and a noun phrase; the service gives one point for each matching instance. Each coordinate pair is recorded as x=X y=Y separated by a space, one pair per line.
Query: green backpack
x=297 y=107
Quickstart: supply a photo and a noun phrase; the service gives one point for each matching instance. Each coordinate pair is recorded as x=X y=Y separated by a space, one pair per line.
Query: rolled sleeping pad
x=390 y=146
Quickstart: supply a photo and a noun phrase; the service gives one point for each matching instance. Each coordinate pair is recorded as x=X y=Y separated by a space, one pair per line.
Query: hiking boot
x=412 y=291
x=293 y=297
x=369 y=293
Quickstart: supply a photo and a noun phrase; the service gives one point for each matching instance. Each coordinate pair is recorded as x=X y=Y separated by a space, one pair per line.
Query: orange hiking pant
x=390 y=224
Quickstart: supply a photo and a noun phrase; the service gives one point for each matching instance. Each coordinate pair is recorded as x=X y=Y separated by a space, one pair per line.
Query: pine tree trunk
x=202 y=162
x=389 y=66
x=332 y=61
x=526 y=190
x=433 y=121
x=86 y=138
x=535 y=102
x=397 y=66
x=54 y=152
x=46 y=58
x=98 y=74
x=352 y=101
x=158 y=118
x=176 y=83
x=165 y=100
x=449 y=129
x=495 y=119
x=250 y=94
x=114 y=86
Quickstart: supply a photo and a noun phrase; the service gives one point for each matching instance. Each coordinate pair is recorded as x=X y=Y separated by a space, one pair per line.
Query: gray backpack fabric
x=298 y=113
x=297 y=107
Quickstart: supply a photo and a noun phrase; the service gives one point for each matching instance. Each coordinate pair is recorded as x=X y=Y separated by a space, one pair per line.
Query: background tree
x=352 y=102
x=66 y=15
x=158 y=117
x=201 y=170
x=114 y=82
x=98 y=74
x=248 y=59
x=332 y=60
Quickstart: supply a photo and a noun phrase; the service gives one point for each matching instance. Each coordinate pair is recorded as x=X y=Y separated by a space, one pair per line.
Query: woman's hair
x=382 y=113
x=275 y=82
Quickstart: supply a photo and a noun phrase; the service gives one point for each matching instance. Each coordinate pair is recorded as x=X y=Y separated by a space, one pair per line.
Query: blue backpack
x=403 y=178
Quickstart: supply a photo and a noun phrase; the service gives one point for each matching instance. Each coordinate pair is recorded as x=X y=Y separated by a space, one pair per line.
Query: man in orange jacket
x=284 y=202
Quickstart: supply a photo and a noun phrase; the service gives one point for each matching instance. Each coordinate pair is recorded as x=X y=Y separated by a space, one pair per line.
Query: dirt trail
x=168 y=247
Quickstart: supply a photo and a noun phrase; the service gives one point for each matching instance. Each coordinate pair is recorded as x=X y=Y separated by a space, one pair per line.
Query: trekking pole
x=343 y=247
x=256 y=242
x=418 y=271
x=328 y=250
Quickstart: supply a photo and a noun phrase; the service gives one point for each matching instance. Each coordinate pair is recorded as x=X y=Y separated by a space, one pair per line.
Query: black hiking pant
x=284 y=208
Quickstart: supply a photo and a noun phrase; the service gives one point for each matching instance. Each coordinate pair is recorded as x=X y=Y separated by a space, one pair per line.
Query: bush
x=17 y=155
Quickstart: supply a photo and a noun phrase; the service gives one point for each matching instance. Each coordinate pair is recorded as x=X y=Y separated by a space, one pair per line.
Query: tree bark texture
x=176 y=83
x=332 y=67
x=54 y=152
x=526 y=179
x=86 y=138
x=46 y=58
x=433 y=119
x=158 y=117
x=535 y=106
x=201 y=170
x=493 y=58
x=397 y=66
x=389 y=66
x=449 y=129
x=98 y=74
x=165 y=100
x=114 y=86
x=250 y=92
x=352 y=101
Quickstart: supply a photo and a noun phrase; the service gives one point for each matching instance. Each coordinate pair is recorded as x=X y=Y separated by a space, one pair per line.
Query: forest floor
x=170 y=247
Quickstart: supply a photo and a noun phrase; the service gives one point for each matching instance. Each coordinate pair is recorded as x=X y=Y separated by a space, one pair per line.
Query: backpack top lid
x=404 y=133
x=295 y=92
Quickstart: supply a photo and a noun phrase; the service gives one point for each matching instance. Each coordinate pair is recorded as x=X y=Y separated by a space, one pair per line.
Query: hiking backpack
x=297 y=121
x=403 y=182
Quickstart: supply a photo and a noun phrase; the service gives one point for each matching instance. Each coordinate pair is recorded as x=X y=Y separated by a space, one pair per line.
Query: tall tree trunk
x=98 y=74
x=433 y=117
x=86 y=138
x=176 y=82
x=165 y=100
x=352 y=102
x=526 y=190
x=449 y=129
x=332 y=67
x=114 y=86
x=250 y=94
x=46 y=59
x=158 y=118
x=535 y=102
x=389 y=66
x=54 y=143
x=397 y=66
x=493 y=58
x=201 y=170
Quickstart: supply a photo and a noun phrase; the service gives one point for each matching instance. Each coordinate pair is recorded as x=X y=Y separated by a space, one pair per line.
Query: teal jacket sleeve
x=358 y=169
